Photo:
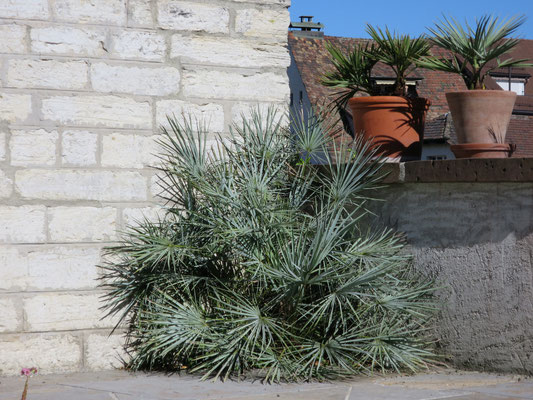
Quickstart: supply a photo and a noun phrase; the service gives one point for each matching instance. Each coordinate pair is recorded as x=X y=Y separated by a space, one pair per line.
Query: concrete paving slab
x=60 y=393
x=523 y=391
x=376 y=391
x=482 y=397
x=448 y=379
x=8 y=383
x=318 y=394
x=121 y=385
x=190 y=387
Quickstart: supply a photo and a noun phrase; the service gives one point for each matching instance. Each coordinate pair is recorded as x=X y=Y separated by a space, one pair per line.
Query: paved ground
x=119 y=385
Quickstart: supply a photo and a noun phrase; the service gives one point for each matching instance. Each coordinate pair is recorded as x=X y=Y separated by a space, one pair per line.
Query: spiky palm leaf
x=400 y=53
x=352 y=71
x=262 y=262
x=475 y=50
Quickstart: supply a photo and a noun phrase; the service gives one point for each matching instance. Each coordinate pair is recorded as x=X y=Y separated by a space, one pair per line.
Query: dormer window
x=385 y=84
x=517 y=85
x=512 y=81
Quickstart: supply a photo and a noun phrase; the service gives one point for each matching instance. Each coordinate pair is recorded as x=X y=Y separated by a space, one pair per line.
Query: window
x=384 y=85
x=518 y=85
x=438 y=157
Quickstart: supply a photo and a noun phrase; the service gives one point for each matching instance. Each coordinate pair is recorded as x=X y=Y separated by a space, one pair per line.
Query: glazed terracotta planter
x=481 y=117
x=395 y=125
x=483 y=150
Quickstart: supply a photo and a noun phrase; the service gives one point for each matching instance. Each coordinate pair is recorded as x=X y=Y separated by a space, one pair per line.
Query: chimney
x=307 y=28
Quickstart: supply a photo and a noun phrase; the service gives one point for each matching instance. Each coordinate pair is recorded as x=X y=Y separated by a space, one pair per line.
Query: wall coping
x=465 y=170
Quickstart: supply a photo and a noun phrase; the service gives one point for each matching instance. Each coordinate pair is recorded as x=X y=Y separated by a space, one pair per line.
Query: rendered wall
x=469 y=224
x=85 y=85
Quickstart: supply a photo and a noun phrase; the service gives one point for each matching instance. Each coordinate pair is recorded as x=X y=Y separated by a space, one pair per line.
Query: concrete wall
x=84 y=86
x=469 y=224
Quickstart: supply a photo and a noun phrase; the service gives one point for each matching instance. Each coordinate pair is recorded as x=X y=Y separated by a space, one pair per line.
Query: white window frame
x=518 y=85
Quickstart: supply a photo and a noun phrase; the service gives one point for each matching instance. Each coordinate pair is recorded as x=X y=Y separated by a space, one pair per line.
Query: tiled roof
x=520 y=132
x=437 y=128
x=313 y=61
x=524 y=103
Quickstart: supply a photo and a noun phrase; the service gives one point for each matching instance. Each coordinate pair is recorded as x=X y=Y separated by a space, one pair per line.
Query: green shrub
x=262 y=263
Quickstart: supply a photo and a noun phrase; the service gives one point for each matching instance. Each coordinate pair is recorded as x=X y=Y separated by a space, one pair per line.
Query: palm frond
x=262 y=260
x=400 y=52
x=352 y=71
x=475 y=50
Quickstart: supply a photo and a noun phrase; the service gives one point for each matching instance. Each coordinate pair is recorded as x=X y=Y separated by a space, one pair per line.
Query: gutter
x=523 y=112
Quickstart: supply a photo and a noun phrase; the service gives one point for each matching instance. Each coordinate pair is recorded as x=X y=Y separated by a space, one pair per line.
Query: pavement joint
x=90 y=388
x=348 y=394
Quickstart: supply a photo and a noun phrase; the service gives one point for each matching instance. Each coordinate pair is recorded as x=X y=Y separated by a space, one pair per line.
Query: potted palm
x=480 y=116
x=387 y=116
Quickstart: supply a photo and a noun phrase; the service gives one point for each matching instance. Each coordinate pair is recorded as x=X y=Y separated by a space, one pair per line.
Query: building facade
x=85 y=87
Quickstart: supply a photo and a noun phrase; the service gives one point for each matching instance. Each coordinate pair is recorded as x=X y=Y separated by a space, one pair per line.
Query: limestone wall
x=84 y=86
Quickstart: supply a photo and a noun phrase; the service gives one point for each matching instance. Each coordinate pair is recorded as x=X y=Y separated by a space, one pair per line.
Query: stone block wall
x=84 y=87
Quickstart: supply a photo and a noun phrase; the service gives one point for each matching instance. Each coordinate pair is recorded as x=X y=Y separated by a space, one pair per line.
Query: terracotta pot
x=481 y=116
x=395 y=124
x=483 y=150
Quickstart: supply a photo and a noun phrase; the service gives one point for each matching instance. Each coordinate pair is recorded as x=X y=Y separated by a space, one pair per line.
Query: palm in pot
x=480 y=116
x=386 y=116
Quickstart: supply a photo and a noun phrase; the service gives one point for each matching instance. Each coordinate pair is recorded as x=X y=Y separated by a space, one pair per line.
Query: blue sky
x=349 y=17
